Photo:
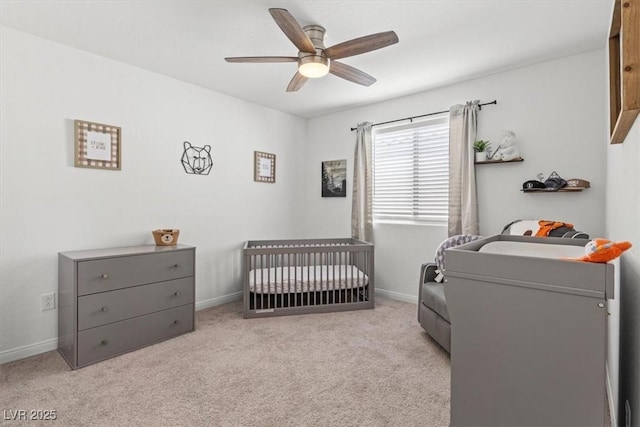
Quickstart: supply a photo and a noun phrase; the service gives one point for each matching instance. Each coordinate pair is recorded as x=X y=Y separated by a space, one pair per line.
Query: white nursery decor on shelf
x=507 y=150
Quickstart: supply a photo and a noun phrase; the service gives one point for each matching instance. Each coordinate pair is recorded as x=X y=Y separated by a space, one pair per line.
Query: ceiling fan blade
x=257 y=59
x=347 y=72
x=361 y=45
x=292 y=29
x=296 y=82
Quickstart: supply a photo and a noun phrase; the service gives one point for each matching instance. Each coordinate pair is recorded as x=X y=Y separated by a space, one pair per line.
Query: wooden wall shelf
x=519 y=159
x=562 y=190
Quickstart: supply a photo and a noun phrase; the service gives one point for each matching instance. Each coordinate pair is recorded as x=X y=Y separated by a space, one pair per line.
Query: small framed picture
x=97 y=145
x=264 y=167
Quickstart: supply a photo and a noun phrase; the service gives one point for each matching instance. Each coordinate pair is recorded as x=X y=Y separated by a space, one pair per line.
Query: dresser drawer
x=108 y=307
x=115 y=273
x=116 y=338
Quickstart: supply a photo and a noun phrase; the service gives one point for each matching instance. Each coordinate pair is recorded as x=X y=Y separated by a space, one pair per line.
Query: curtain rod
x=495 y=101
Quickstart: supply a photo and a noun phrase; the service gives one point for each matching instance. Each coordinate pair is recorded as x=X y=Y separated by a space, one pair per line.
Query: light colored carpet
x=370 y=367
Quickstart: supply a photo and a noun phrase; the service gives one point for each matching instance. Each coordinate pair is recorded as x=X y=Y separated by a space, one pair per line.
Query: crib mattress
x=306 y=279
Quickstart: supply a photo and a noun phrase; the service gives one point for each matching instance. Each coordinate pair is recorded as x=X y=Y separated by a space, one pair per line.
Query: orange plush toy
x=603 y=250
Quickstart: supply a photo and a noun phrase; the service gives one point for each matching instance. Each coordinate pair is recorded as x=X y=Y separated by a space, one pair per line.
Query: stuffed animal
x=507 y=149
x=603 y=250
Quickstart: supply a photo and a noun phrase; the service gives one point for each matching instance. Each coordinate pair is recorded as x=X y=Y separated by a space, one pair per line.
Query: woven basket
x=158 y=236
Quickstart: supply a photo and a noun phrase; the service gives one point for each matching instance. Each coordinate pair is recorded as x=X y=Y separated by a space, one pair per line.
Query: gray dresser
x=112 y=301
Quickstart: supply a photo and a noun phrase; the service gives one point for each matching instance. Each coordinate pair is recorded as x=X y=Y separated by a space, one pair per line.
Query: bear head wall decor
x=197 y=160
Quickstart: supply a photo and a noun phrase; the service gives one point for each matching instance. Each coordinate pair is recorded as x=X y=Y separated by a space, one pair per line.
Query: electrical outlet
x=48 y=301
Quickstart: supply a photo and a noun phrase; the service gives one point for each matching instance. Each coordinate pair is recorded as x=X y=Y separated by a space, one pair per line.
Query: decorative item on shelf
x=481 y=148
x=507 y=150
x=578 y=183
x=334 y=178
x=532 y=185
x=554 y=182
x=166 y=236
x=196 y=160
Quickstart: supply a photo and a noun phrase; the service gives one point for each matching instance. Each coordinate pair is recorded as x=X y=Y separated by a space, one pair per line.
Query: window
x=411 y=172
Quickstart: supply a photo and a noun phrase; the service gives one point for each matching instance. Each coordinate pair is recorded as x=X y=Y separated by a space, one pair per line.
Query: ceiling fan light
x=314 y=66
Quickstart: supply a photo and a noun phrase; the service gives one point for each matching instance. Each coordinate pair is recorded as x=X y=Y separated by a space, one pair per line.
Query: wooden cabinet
x=112 y=301
x=624 y=68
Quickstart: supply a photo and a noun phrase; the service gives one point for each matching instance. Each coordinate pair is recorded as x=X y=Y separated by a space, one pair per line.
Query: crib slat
x=337 y=276
x=309 y=282
x=366 y=268
x=343 y=268
x=352 y=276
x=261 y=280
x=333 y=263
x=268 y=267
x=255 y=282
x=362 y=262
x=321 y=294
x=274 y=282
x=281 y=296
x=315 y=271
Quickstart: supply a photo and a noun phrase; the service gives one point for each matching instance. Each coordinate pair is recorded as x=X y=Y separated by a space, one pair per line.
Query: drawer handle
x=105 y=276
x=175 y=322
x=176 y=294
x=175 y=266
x=104 y=342
x=104 y=309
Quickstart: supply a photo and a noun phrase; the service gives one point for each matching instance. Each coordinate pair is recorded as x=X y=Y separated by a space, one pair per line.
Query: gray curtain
x=463 y=203
x=361 y=208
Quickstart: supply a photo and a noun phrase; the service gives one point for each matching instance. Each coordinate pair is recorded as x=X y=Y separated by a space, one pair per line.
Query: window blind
x=411 y=172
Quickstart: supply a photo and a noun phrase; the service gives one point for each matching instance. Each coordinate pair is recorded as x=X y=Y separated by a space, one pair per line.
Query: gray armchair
x=433 y=314
x=432 y=307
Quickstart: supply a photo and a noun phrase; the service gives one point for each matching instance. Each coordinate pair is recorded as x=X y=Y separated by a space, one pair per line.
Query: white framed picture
x=264 y=167
x=97 y=145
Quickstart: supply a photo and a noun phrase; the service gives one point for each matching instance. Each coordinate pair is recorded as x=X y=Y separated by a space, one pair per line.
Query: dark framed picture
x=334 y=178
x=97 y=145
x=264 y=167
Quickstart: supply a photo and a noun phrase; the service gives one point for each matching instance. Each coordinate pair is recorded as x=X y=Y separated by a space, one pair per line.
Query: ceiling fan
x=314 y=60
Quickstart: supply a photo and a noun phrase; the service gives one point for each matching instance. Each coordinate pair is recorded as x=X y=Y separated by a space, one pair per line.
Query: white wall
x=48 y=205
x=622 y=215
x=556 y=109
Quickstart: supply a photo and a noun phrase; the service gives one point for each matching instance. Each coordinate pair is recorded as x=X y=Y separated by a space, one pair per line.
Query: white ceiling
x=441 y=42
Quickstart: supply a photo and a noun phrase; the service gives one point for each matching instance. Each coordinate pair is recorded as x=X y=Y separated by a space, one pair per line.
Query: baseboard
x=52 y=344
x=613 y=407
x=397 y=296
x=201 y=305
x=28 y=350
